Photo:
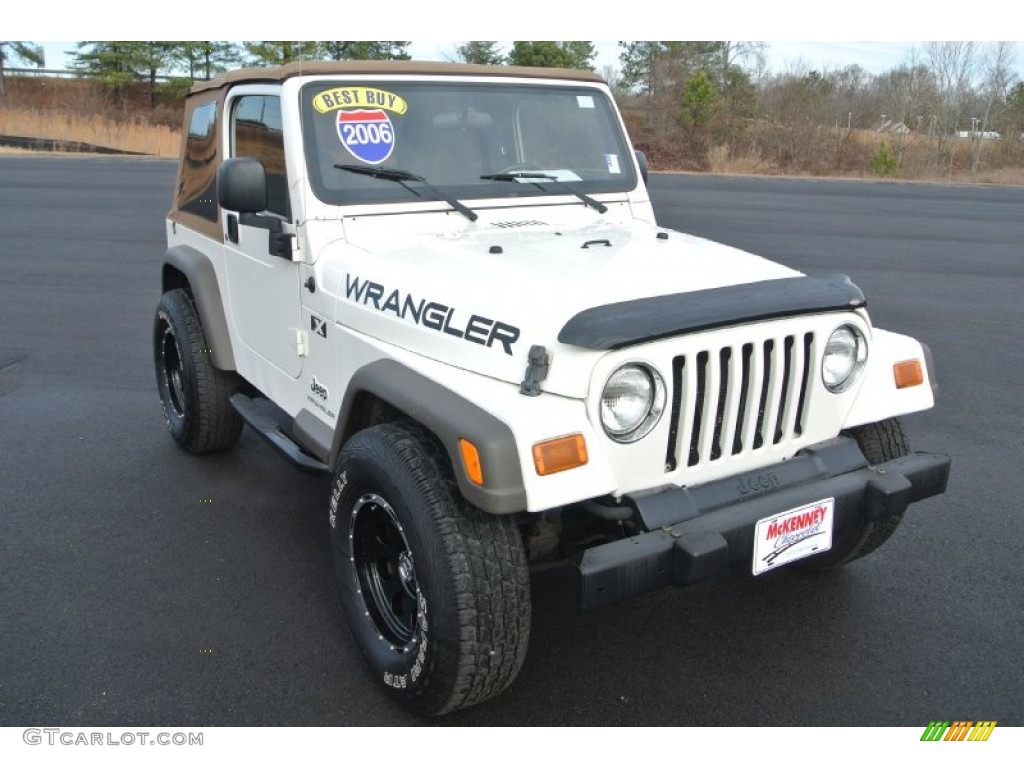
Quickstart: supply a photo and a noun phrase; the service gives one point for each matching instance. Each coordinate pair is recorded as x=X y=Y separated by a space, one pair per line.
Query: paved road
x=125 y=599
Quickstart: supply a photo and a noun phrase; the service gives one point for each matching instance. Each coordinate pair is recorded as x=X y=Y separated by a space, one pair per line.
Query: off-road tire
x=879 y=442
x=194 y=394
x=436 y=591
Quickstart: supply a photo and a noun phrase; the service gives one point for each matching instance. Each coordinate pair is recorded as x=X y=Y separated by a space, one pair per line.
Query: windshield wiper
x=599 y=207
x=401 y=177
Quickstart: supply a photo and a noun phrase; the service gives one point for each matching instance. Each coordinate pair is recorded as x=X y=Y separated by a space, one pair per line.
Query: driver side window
x=256 y=131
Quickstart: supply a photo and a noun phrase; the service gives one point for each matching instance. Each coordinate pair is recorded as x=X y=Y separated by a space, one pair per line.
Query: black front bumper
x=693 y=533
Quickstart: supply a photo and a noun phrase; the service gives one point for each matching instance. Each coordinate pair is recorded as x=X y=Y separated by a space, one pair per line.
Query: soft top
x=301 y=68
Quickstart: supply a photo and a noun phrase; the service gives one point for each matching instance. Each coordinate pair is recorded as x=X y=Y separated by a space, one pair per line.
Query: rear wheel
x=193 y=392
x=436 y=591
x=879 y=442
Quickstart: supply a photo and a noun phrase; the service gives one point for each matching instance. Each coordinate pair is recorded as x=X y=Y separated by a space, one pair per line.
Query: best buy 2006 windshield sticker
x=363 y=123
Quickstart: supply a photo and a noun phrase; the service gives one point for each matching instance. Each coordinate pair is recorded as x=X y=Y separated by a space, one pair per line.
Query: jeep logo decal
x=318 y=389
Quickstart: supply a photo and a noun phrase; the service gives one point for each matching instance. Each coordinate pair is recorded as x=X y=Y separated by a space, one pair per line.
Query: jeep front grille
x=735 y=399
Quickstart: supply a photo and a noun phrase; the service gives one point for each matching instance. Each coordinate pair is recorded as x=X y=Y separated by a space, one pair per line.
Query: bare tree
x=953 y=64
x=754 y=53
x=613 y=76
x=798 y=107
x=997 y=76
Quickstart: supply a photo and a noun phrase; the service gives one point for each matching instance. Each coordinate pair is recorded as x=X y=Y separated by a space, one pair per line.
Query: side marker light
x=471 y=461
x=560 y=454
x=908 y=374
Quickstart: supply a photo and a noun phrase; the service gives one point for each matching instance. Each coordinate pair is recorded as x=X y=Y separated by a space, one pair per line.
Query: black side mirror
x=242 y=185
x=641 y=160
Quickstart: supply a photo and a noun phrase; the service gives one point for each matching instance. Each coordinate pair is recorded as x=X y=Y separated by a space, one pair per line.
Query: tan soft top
x=299 y=68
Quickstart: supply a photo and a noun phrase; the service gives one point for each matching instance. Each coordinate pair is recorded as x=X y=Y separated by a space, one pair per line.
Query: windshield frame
x=608 y=124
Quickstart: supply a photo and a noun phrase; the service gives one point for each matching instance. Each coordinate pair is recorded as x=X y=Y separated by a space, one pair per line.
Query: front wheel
x=436 y=591
x=879 y=442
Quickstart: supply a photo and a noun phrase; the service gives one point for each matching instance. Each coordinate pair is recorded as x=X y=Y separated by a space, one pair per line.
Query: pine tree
x=273 y=53
x=649 y=65
x=18 y=50
x=481 y=52
x=116 y=63
x=205 y=58
x=636 y=59
x=572 y=54
x=364 y=50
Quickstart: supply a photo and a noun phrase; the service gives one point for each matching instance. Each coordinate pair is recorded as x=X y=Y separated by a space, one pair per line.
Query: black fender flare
x=202 y=279
x=449 y=417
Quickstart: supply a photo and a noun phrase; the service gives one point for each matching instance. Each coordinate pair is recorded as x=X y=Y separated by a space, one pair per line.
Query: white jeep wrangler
x=444 y=285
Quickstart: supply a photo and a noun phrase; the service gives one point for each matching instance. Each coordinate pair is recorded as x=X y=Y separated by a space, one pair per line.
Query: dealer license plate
x=793 y=535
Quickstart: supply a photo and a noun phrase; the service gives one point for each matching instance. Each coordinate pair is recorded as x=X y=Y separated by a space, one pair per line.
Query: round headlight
x=632 y=402
x=845 y=355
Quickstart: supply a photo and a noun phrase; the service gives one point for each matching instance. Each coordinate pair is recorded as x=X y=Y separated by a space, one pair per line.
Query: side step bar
x=270 y=431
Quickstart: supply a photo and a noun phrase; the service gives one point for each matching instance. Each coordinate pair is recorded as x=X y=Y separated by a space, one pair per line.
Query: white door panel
x=265 y=296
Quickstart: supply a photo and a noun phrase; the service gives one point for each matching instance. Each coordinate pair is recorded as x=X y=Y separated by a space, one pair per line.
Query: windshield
x=451 y=134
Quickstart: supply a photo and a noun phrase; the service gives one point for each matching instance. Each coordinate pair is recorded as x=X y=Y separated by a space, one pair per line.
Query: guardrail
x=61 y=145
x=74 y=73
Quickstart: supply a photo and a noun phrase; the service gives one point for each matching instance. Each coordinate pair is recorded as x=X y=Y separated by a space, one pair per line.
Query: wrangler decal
x=431 y=314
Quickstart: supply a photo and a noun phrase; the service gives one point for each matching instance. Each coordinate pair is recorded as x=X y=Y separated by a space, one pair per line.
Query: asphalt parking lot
x=139 y=585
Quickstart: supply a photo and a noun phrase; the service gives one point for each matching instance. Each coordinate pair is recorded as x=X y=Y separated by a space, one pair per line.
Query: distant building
x=993 y=135
x=890 y=127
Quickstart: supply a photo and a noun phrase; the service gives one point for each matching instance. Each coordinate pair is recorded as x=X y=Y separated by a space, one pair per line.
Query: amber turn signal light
x=560 y=454
x=908 y=374
x=471 y=461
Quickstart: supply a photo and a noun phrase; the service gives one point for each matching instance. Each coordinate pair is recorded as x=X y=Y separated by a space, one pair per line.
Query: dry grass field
x=134 y=136
x=81 y=110
x=804 y=148
x=849 y=154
